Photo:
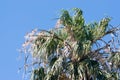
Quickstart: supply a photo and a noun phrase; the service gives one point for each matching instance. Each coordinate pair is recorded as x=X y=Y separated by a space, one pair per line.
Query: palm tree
x=74 y=50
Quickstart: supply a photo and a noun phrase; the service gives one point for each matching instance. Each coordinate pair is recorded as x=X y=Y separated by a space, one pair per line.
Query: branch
x=103 y=41
x=95 y=51
x=54 y=35
x=106 y=33
x=112 y=30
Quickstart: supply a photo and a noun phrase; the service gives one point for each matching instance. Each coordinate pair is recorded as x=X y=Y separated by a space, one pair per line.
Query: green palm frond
x=115 y=58
x=55 y=70
x=61 y=33
x=78 y=20
x=38 y=74
x=66 y=18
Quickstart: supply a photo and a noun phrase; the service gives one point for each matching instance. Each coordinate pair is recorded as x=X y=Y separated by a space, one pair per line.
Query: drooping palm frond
x=38 y=74
x=56 y=70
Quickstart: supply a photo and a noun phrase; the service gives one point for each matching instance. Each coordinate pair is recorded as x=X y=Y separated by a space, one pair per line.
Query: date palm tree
x=73 y=50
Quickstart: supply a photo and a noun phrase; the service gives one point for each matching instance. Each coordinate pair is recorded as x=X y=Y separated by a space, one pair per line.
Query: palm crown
x=74 y=50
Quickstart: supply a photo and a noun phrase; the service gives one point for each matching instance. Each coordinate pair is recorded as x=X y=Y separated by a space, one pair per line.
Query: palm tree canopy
x=74 y=50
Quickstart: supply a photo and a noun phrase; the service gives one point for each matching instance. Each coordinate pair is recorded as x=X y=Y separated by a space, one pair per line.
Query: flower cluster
x=29 y=41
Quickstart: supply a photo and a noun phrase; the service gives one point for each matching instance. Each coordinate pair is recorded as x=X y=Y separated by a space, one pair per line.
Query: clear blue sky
x=20 y=16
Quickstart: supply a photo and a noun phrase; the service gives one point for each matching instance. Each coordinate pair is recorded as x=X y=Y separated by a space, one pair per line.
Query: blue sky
x=17 y=17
